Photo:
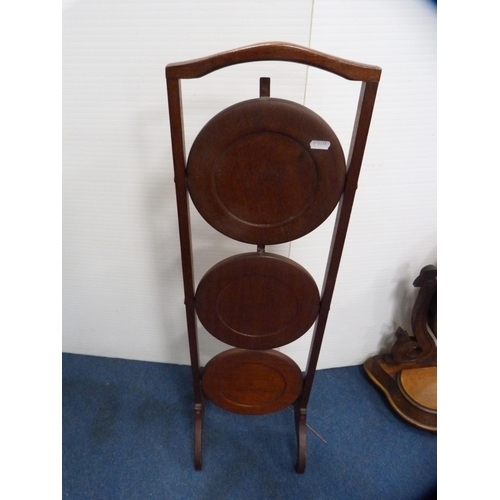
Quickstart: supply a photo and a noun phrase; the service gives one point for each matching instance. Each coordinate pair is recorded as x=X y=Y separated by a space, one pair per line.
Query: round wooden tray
x=266 y=171
x=257 y=301
x=252 y=382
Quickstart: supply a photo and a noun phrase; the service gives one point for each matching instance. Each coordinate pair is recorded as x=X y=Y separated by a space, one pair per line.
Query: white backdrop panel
x=122 y=285
x=392 y=234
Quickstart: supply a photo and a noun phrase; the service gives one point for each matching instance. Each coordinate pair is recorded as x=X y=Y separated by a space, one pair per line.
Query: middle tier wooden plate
x=266 y=171
x=257 y=301
x=252 y=382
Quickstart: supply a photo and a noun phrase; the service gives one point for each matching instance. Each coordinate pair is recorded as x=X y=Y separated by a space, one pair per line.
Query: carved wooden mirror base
x=408 y=375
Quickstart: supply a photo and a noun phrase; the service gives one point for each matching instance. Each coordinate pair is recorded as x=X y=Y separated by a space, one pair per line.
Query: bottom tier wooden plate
x=252 y=382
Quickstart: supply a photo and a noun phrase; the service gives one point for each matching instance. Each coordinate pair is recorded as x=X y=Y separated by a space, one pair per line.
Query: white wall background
x=122 y=285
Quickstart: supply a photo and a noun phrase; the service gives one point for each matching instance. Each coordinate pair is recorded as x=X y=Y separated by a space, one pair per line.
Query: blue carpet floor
x=127 y=434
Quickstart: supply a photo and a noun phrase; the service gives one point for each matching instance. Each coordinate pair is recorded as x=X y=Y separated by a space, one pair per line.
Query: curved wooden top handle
x=274 y=51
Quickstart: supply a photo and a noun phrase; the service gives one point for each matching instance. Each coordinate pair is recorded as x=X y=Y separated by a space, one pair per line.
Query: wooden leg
x=198 y=431
x=300 y=427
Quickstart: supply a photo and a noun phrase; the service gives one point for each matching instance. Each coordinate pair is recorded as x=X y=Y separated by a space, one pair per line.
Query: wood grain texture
x=257 y=301
x=254 y=176
x=274 y=51
x=383 y=376
x=264 y=171
x=408 y=375
x=300 y=430
x=252 y=382
x=420 y=385
x=198 y=436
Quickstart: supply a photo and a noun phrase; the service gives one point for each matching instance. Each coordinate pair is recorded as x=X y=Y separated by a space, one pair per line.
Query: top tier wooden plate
x=266 y=171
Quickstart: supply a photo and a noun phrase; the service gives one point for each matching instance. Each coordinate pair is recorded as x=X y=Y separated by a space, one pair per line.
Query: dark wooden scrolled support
x=421 y=348
x=405 y=350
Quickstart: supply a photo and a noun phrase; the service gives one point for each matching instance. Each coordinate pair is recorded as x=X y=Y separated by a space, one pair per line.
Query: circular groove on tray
x=256 y=174
x=252 y=382
x=256 y=301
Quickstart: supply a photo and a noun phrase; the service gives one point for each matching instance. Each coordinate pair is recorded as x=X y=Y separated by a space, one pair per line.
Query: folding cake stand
x=264 y=171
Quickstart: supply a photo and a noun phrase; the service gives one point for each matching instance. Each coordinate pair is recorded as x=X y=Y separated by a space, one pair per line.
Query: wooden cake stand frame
x=264 y=171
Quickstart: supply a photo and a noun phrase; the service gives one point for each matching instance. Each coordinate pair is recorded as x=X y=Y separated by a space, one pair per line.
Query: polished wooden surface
x=408 y=374
x=252 y=382
x=257 y=301
x=256 y=174
x=420 y=385
x=263 y=171
x=274 y=51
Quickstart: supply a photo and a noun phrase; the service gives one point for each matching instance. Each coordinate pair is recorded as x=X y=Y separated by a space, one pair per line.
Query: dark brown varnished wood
x=252 y=382
x=257 y=301
x=386 y=379
x=422 y=347
x=408 y=375
x=358 y=143
x=300 y=430
x=198 y=435
x=265 y=87
x=255 y=176
x=178 y=152
x=274 y=51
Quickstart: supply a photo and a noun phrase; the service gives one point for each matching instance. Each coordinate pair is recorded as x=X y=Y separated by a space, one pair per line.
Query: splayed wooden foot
x=300 y=427
x=198 y=430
